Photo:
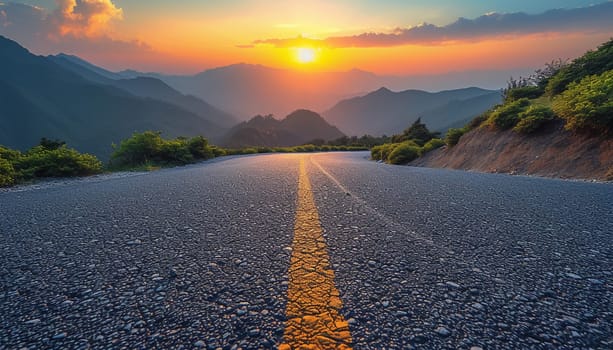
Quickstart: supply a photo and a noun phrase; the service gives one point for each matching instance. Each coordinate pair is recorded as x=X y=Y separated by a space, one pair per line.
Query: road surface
x=278 y=251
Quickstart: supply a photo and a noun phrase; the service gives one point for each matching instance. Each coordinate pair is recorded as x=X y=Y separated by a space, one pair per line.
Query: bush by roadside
x=149 y=148
x=294 y=149
x=45 y=160
x=432 y=145
x=403 y=152
x=587 y=104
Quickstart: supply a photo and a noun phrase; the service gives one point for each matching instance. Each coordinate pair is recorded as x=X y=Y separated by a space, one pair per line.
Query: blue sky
x=399 y=11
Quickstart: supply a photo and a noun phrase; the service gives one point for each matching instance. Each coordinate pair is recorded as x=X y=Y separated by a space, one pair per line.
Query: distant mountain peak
x=382 y=91
x=297 y=128
x=65 y=55
x=129 y=71
x=468 y=89
x=148 y=79
x=303 y=114
x=260 y=118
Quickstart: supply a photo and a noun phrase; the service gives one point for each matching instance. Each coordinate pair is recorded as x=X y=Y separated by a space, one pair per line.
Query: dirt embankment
x=553 y=152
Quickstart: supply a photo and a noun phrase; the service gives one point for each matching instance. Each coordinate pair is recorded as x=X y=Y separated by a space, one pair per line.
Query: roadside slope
x=554 y=152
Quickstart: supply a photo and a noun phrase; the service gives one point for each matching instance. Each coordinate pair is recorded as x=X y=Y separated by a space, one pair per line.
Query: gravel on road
x=198 y=257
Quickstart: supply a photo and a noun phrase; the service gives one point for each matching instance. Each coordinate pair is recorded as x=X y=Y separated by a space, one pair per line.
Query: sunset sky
x=385 y=37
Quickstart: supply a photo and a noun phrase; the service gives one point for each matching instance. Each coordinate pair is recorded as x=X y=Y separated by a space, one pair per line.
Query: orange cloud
x=89 y=18
x=82 y=27
x=596 y=18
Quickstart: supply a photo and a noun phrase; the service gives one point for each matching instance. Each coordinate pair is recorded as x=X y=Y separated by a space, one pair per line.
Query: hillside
x=557 y=122
x=145 y=87
x=555 y=152
x=297 y=128
x=386 y=112
x=42 y=99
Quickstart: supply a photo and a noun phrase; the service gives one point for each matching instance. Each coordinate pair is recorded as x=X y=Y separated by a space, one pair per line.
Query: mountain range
x=90 y=108
x=41 y=98
x=266 y=90
x=387 y=112
x=263 y=90
x=146 y=87
x=245 y=90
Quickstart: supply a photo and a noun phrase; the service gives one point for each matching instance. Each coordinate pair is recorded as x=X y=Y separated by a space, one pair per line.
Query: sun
x=306 y=55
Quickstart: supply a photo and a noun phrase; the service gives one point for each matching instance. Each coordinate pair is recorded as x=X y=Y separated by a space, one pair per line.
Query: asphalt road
x=198 y=257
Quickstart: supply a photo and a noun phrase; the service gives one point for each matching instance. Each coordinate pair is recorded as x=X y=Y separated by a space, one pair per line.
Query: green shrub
x=217 y=151
x=403 y=153
x=230 y=151
x=381 y=152
x=51 y=158
x=591 y=63
x=249 y=150
x=417 y=132
x=558 y=82
x=529 y=92
x=265 y=150
x=10 y=155
x=150 y=148
x=376 y=152
x=529 y=125
x=588 y=104
x=59 y=162
x=477 y=121
x=453 y=136
x=533 y=118
x=139 y=149
x=507 y=115
x=51 y=144
x=174 y=152
x=431 y=145
x=199 y=148
x=7 y=173
x=307 y=148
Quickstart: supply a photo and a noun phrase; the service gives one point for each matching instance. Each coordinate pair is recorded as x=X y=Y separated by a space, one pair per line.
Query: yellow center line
x=314 y=304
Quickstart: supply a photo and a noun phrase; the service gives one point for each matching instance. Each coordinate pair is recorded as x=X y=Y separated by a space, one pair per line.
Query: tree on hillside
x=534 y=85
x=593 y=62
x=541 y=76
x=417 y=132
x=51 y=145
x=587 y=104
